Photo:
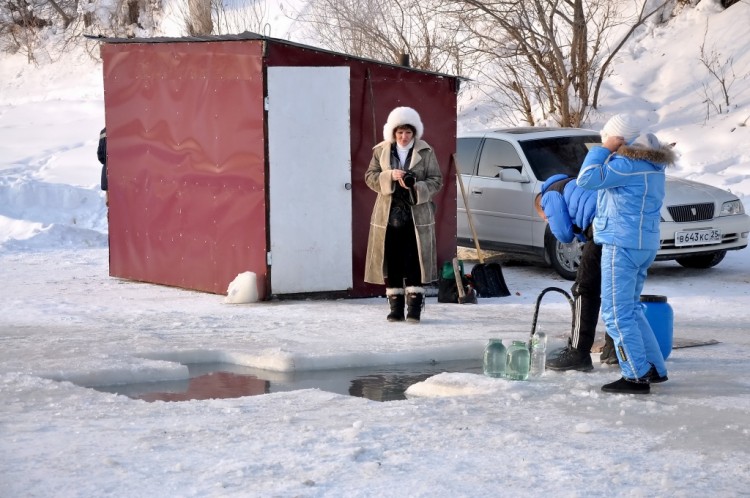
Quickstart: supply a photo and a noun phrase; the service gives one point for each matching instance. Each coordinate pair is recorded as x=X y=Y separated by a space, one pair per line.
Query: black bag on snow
x=447 y=288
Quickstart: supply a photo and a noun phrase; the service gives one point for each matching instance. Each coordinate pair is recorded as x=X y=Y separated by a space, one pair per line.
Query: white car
x=503 y=170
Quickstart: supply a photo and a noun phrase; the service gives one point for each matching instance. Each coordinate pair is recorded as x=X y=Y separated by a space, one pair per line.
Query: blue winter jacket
x=570 y=212
x=631 y=191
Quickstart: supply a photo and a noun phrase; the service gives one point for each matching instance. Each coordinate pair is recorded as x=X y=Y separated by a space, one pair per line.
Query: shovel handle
x=459 y=283
x=468 y=211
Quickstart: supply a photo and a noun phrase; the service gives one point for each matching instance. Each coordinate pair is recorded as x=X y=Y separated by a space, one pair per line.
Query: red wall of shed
x=376 y=89
x=186 y=162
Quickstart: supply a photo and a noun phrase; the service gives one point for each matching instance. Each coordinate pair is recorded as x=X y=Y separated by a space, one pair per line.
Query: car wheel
x=564 y=258
x=702 y=260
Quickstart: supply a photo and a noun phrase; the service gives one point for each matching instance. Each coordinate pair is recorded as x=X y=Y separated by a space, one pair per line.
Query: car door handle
x=477 y=191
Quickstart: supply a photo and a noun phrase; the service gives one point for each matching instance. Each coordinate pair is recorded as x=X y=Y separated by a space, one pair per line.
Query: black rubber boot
x=396 y=302
x=414 y=303
x=626 y=386
x=571 y=359
x=654 y=377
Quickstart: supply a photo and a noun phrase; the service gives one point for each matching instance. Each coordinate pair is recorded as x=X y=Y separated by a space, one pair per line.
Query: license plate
x=697 y=238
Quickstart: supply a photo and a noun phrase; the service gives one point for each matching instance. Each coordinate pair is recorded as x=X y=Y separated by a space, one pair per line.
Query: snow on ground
x=65 y=325
x=460 y=434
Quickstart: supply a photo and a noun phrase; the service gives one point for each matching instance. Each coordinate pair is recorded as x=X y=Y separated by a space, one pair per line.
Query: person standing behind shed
x=101 y=154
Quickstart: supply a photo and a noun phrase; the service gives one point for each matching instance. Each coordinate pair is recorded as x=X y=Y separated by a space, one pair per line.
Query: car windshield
x=550 y=156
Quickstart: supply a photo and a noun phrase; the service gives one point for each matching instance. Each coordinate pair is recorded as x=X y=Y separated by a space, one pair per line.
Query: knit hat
x=622 y=125
x=402 y=116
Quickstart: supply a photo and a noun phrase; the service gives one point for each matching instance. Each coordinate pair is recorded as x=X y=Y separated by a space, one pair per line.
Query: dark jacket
x=101 y=154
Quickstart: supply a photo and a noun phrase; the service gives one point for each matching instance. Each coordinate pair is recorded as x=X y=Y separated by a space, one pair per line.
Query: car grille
x=692 y=212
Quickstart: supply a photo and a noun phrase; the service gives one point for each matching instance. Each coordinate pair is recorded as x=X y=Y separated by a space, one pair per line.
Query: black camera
x=409 y=179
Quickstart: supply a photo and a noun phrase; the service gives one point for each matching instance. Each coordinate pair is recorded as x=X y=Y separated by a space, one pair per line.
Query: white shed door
x=310 y=179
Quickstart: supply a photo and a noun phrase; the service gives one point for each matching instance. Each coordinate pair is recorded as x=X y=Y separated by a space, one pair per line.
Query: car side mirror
x=512 y=175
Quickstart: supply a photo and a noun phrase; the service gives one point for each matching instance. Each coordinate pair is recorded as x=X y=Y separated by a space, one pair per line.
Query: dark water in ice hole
x=225 y=380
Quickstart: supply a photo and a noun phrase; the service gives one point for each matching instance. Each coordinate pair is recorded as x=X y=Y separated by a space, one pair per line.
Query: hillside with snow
x=658 y=75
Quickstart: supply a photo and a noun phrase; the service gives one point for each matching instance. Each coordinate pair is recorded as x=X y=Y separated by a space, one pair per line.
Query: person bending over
x=569 y=211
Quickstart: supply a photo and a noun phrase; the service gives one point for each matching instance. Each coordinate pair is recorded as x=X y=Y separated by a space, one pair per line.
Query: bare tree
x=544 y=58
x=552 y=54
x=386 y=29
x=22 y=21
x=199 y=20
x=231 y=19
x=23 y=24
x=722 y=72
x=67 y=18
x=223 y=16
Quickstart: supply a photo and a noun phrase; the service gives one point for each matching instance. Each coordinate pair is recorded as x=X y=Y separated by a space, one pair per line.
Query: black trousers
x=402 y=257
x=587 y=297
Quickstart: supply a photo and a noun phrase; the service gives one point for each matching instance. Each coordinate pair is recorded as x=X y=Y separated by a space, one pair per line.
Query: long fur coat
x=425 y=167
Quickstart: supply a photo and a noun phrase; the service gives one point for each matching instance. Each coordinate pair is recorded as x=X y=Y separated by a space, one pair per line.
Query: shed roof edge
x=248 y=35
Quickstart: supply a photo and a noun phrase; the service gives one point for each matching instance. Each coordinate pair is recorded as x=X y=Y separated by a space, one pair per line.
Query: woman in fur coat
x=628 y=173
x=401 y=247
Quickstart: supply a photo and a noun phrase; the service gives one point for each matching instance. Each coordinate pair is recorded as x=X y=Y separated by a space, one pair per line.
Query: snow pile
x=243 y=289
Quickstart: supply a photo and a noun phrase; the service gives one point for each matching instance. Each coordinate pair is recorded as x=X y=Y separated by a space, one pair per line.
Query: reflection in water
x=384 y=387
x=213 y=385
x=223 y=380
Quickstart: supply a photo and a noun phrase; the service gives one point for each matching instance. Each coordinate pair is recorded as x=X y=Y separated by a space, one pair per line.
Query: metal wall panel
x=186 y=162
x=375 y=90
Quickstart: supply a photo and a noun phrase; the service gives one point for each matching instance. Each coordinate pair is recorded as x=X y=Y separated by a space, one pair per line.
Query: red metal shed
x=247 y=153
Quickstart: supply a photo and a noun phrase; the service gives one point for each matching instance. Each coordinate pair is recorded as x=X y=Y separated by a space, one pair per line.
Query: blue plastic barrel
x=661 y=318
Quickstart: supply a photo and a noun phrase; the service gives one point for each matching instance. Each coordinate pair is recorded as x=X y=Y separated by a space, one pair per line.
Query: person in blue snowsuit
x=628 y=173
x=569 y=211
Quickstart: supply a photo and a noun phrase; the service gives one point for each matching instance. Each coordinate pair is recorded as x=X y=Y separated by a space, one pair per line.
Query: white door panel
x=309 y=177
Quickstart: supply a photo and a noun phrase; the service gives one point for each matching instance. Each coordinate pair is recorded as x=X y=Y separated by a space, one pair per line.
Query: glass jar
x=494 y=358
x=517 y=361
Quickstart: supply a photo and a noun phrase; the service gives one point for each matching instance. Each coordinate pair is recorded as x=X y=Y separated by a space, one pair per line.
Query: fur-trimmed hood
x=402 y=116
x=648 y=148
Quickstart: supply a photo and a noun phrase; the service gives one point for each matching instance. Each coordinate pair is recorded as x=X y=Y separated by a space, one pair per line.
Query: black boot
x=415 y=303
x=571 y=358
x=396 y=301
x=627 y=386
x=654 y=377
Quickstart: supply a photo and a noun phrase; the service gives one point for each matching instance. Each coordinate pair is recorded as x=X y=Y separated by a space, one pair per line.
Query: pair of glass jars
x=512 y=363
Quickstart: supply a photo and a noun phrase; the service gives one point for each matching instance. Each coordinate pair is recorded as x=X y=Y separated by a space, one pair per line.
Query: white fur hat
x=622 y=125
x=402 y=116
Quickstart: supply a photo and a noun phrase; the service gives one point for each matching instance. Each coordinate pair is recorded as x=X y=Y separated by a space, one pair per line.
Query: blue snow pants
x=623 y=275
